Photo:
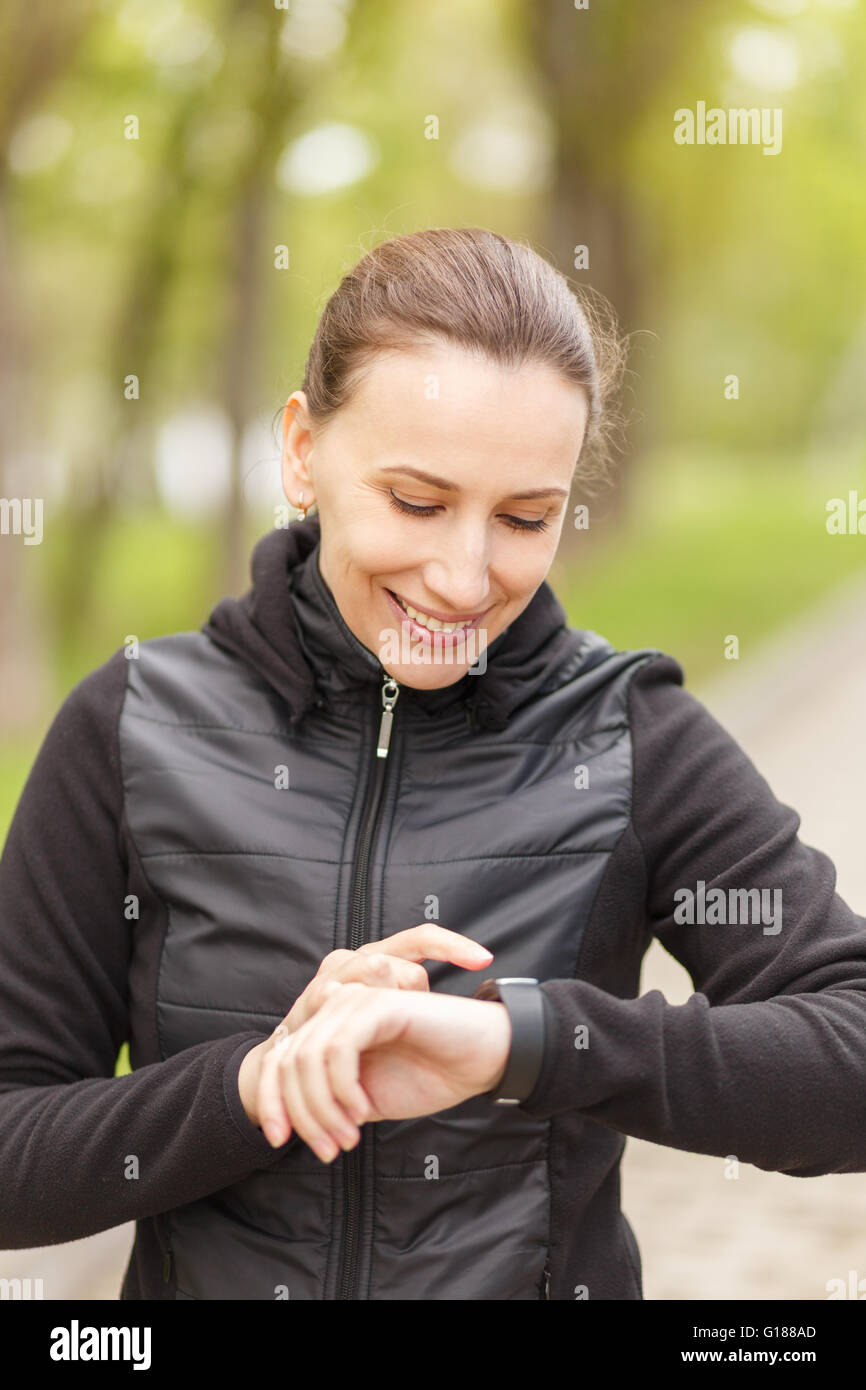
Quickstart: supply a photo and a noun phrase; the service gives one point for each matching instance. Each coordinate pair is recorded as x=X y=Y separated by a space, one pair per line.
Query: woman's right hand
x=394 y=962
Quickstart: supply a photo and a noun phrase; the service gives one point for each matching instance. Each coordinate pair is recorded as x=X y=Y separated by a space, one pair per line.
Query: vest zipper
x=546 y=1282
x=369 y=821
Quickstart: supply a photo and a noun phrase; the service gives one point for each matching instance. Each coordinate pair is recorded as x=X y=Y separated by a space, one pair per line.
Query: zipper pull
x=390 y=691
x=547 y=1283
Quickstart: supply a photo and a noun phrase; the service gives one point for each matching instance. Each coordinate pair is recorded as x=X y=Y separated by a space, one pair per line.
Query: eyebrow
x=447 y=486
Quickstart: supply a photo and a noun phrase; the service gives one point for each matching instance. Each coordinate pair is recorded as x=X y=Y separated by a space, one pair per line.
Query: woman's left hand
x=385 y=1054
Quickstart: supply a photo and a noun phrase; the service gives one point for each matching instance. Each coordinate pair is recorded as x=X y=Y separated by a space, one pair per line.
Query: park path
x=797 y=708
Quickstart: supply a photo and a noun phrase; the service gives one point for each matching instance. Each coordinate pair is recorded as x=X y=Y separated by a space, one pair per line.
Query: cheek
x=373 y=548
x=523 y=563
x=368 y=568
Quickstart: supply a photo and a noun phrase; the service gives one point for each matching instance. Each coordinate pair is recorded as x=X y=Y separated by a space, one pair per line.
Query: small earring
x=302 y=511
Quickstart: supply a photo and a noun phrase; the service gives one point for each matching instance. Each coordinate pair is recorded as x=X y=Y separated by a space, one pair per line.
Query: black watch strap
x=525 y=1003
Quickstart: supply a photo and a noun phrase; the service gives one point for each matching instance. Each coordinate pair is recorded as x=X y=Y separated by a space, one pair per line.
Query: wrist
x=526 y=1007
x=501 y=1038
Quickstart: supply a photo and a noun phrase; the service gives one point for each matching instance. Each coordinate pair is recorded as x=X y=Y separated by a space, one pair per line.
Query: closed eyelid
x=434 y=506
x=406 y=503
x=516 y=523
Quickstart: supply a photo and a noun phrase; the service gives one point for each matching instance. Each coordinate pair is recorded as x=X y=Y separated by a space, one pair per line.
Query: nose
x=457 y=578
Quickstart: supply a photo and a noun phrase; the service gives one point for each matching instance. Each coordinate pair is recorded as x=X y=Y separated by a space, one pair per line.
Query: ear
x=297 y=446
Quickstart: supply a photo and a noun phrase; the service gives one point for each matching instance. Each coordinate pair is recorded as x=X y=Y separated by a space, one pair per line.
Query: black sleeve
x=766 y=1061
x=69 y=1128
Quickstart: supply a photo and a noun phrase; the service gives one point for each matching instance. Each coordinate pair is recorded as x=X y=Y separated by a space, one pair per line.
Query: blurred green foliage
x=710 y=547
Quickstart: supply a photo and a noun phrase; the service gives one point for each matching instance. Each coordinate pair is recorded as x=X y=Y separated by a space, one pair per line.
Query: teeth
x=432 y=623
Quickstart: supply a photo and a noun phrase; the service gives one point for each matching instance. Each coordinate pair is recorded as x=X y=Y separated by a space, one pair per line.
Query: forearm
x=778 y=1084
x=80 y=1158
x=766 y=1060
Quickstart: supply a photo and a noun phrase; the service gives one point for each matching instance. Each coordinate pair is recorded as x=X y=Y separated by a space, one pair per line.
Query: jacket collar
x=288 y=627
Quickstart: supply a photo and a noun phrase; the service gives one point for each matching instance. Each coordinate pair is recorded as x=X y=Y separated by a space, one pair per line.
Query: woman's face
x=487 y=455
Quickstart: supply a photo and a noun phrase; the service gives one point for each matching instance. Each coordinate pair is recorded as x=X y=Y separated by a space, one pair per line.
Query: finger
x=343 y=1066
x=334 y=959
x=272 y=1113
x=308 y=1088
x=306 y=1004
x=338 y=1117
x=429 y=941
x=318 y=1136
x=383 y=971
x=329 y=1072
x=379 y=970
x=328 y=969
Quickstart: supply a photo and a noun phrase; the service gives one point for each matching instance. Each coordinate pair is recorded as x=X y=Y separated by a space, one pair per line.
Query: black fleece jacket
x=766 y=1060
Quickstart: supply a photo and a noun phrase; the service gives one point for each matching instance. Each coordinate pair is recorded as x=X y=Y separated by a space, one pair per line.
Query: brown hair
x=481 y=291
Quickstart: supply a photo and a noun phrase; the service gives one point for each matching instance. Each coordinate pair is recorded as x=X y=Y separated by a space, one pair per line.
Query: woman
x=238 y=847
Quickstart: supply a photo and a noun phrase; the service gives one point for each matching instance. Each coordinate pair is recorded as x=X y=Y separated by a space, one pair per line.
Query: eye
x=516 y=523
x=406 y=507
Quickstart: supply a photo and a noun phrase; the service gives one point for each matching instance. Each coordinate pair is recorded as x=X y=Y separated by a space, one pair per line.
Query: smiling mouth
x=426 y=620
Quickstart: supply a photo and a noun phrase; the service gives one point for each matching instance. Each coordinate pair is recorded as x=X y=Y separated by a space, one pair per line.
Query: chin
x=424 y=658
x=428 y=677
x=427 y=665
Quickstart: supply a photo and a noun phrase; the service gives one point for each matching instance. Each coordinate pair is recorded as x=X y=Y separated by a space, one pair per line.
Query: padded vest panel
x=490 y=833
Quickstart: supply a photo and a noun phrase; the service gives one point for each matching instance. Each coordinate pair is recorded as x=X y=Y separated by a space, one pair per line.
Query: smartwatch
x=527 y=1010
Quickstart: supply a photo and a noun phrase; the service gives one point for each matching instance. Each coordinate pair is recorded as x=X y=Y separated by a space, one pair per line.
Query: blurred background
x=182 y=185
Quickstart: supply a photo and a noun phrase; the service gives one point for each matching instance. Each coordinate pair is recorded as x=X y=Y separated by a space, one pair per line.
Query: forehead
x=448 y=406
